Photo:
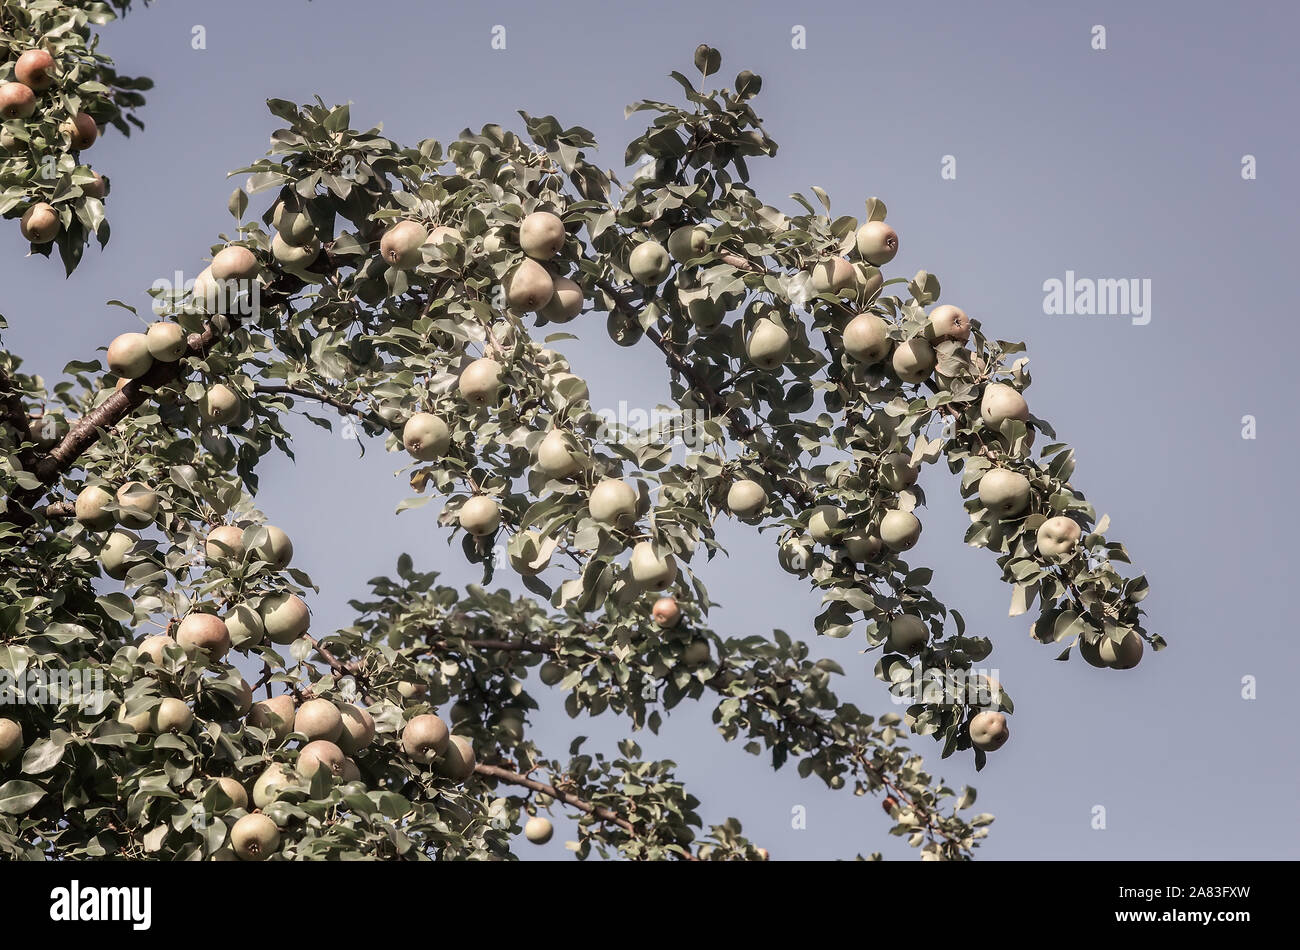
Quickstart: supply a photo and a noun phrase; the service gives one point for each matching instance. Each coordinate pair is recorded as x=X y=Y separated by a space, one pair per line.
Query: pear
x=866 y=338
x=1058 y=536
x=171 y=715
x=746 y=498
x=221 y=405
x=166 y=341
x=115 y=555
x=90 y=508
x=541 y=235
x=154 y=647
x=275 y=549
x=551 y=673
x=768 y=345
x=425 y=737
x=824 y=524
x=234 y=791
x=275 y=714
x=208 y=294
x=949 y=323
x=1123 y=655
x=358 y=729
x=318 y=754
x=254 y=837
x=877 y=243
x=649 y=263
x=649 y=569
x=705 y=312
x=612 y=502
x=96 y=188
x=1001 y=402
x=234 y=263
x=294 y=255
x=285 y=617
x=225 y=542
x=795 y=556
x=137 y=505
x=566 y=301
x=555 y=455
x=688 y=243
x=529 y=286
x=128 y=355
x=82 y=130
x=907 y=634
x=273 y=782
x=1003 y=492
x=1091 y=652
x=443 y=234
x=205 y=633
x=293 y=227
x=832 y=276
x=538 y=830
x=400 y=245
x=897 y=471
x=480 y=516
x=480 y=382
x=913 y=360
x=141 y=723
x=11 y=740
x=861 y=546
x=245 y=627
x=458 y=761
x=40 y=223
x=696 y=653
x=318 y=719
x=666 y=612
x=35 y=69
x=899 y=530
x=426 y=437
x=989 y=731
x=17 y=101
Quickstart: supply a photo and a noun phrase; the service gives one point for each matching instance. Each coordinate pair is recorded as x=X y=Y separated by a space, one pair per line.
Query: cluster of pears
x=218 y=286
x=281 y=617
x=134 y=505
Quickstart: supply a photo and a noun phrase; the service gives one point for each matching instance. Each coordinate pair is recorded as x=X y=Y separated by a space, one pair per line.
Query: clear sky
x=1113 y=164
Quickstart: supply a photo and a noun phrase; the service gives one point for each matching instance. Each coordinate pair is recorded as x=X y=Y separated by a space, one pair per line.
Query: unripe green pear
x=1001 y=402
x=205 y=633
x=949 y=323
x=294 y=255
x=128 y=355
x=1123 y=655
x=271 y=784
x=1058 y=536
x=511 y=723
x=688 y=243
x=11 y=740
x=907 y=634
x=913 y=360
x=529 y=286
x=877 y=243
x=746 y=498
x=649 y=263
x=426 y=437
x=293 y=227
x=276 y=714
x=541 y=235
x=824 y=523
x=17 y=101
x=899 y=530
x=234 y=263
x=115 y=555
x=81 y=131
x=897 y=471
x=358 y=728
x=225 y=542
x=400 y=245
x=649 y=569
x=538 y=830
x=254 y=837
x=866 y=338
x=555 y=455
x=318 y=719
x=989 y=731
x=221 y=405
x=696 y=653
x=284 y=617
x=425 y=738
x=795 y=556
x=276 y=549
x=237 y=794
x=480 y=382
x=768 y=345
x=90 y=508
x=566 y=301
x=861 y=546
x=458 y=762
x=35 y=69
x=171 y=715
x=1003 y=492
x=832 y=276
x=166 y=341
x=245 y=627
x=612 y=502
x=137 y=505
x=867 y=282
x=154 y=646
x=318 y=754
x=414 y=691
x=480 y=516
x=666 y=612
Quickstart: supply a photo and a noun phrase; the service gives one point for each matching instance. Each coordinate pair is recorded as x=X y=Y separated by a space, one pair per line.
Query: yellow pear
x=426 y=437
x=1123 y=655
x=1001 y=402
x=566 y=301
x=245 y=627
x=1003 y=492
x=541 y=235
x=866 y=338
x=688 y=243
x=458 y=762
x=877 y=243
x=128 y=355
x=254 y=837
x=538 y=830
x=318 y=754
x=425 y=737
x=40 y=223
x=318 y=719
x=1058 y=536
x=275 y=714
x=480 y=382
x=989 y=731
x=555 y=455
x=899 y=530
x=234 y=263
x=205 y=633
x=897 y=471
x=949 y=323
x=90 y=508
x=649 y=569
x=824 y=524
x=480 y=516
x=907 y=634
x=612 y=502
x=649 y=263
x=832 y=276
x=401 y=243
x=529 y=286
x=137 y=505
x=284 y=617
x=913 y=360
x=166 y=341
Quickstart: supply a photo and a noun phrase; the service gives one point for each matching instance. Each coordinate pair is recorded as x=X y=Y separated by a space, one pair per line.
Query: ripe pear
x=913 y=360
x=555 y=455
x=897 y=471
x=907 y=634
x=666 y=612
x=425 y=737
x=861 y=546
x=866 y=338
x=11 y=740
x=746 y=498
x=137 y=505
x=426 y=437
x=234 y=791
x=1123 y=655
x=541 y=235
x=824 y=523
x=795 y=556
x=400 y=245
x=115 y=555
x=320 y=753
x=207 y=294
x=294 y=255
x=82 y=130
x=1003 y=492
x=275 y=714
x=234 y=263
x=492 y=242
x=96 y=188
x=989 y=731
x=899 y=530
x=154 y=647
x=358 y=728
x=245 y=627
x=90 y=505
x=35 y=69
x=221 y=405
x=293 y=227
x=649 y=263
x=566 y=301
x=696 y=653
x=832 y=276
x=206 y=633
x=128 y=355
x=949 y=323
x=318 y=719
x=768 y=345
x=480 y=516
x=538 y=830
x=443 y=234
x=612 y=502
x=275 y=549
x=254 y=837
x=1001 y=402
x=649 y=569
x=40 y=223
x=271 y=784
x=480 y=382
x=285 y=617
x=225 y=542
x=17 y=101
x=529 y=286
x=1058 y=536
x=877 y=243
x=458 y=761
x=688 y=243
x=171 y=715
x=244 y=702
x=166 y=341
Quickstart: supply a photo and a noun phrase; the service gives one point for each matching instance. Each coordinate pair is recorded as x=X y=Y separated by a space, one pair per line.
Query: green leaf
x=19 y=797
